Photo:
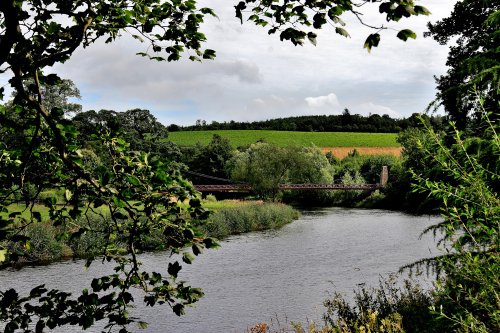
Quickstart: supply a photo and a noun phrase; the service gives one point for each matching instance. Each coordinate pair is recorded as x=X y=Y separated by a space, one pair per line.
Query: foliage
x=371 y=167
x=469 y=299
x=243 y=138
x=138 y=127
x=349 y=198
x=290 y=18
x=388 y=308
x=470 y=205
x=468 y=292
x=399 y=194
x=44 y=247
x=473 y=31
x=208 y=160
x=137 y=195
x=346 y=122
x=265 y=166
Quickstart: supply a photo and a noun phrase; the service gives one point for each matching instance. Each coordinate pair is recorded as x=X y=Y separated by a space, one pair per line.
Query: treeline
x=346 y=122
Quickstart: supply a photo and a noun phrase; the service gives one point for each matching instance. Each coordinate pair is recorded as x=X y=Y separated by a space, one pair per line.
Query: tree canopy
x=265 y=166
x=473 y=60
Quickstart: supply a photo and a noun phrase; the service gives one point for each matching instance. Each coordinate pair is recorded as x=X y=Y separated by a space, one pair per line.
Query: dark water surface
x=282 y=274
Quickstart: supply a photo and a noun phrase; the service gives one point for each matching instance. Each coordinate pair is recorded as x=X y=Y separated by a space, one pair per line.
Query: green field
x=283 y=138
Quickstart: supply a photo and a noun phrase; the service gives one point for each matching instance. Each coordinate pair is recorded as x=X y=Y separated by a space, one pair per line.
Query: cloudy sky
x=256 y=77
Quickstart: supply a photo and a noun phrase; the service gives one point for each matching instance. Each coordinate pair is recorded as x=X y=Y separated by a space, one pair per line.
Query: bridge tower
x=384 y=176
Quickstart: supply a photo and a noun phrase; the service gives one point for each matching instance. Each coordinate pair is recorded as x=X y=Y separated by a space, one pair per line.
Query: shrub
x=92 y=242
x=44 y=246
x=211 y=198
x=388 y=308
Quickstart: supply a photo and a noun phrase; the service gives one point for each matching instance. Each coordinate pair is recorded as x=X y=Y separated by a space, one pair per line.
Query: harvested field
x=341 y=152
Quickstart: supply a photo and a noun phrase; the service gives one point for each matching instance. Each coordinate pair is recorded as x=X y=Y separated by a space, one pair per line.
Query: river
x=278 y=275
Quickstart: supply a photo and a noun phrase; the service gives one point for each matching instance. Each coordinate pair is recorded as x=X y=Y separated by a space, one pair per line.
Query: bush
x=384 y=309
x=371 y=167
x=349 y=198
x=211 y=198
x=92 y=242
x=44 y=246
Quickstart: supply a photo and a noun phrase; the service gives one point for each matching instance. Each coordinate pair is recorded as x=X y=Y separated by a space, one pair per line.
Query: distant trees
x=138 y=127
x=346 y=122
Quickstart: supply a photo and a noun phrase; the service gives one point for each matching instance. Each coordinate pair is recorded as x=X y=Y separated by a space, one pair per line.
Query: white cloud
x=330 y=101
x=371 y=108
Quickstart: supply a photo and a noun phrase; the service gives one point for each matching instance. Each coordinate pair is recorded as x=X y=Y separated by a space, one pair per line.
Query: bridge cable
x=213 y=177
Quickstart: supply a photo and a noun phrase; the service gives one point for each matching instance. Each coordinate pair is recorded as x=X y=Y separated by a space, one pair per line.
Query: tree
x=138 y=127
x=139 y=194
x=56 y=96
x=467 y=294
x=209 y=160
x=473 y=60
x=265 y=166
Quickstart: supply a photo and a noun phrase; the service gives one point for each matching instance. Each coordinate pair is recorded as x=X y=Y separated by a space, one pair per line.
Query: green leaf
x=119 y=215
x=174 y=268
x=14 y=214
x=133 y=180
x=209 y=54
x=118 y=202
x=68 y=195
x=312 y=37
x=142 y=325
x=421 y=10
x=197 y=249
x=210 y=243
x=342 y=32
x=372 y=41
x=405 y=34
x=187 y=258
x=3 y=255
x=178 y=309
x=139 y=38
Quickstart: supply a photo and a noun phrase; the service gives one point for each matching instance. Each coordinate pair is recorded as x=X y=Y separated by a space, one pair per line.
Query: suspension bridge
x=244 y=187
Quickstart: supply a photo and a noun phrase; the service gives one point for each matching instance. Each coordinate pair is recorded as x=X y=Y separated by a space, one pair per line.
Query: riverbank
x=228 y=217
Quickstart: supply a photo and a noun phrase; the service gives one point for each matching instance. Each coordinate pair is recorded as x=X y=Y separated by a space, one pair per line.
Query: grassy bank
x=248 y=216
x=285 y=138
x=227 y=217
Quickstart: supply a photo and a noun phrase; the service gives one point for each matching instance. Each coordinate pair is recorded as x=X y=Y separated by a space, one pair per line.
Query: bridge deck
x=305 y=187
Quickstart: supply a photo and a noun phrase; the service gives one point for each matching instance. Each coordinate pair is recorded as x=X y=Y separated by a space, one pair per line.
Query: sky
x=255 y=76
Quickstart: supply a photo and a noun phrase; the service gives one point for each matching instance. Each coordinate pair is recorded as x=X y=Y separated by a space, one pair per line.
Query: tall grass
x=253 y=216
x=228 y=217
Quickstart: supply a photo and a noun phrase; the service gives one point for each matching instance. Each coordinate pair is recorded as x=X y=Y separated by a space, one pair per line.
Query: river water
x=273 y=276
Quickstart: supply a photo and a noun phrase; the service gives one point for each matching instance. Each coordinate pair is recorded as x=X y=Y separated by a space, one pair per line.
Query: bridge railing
x=384 y=175
x=302 y=187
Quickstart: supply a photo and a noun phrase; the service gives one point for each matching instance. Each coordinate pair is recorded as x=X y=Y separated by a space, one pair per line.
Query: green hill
x=285 y=138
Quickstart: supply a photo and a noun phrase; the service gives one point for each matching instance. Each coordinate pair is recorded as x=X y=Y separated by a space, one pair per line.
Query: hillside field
x=240 y=138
